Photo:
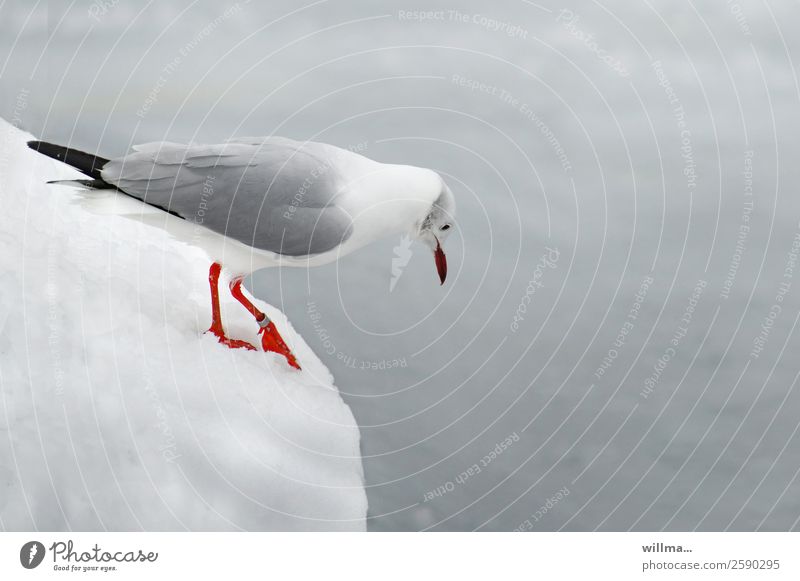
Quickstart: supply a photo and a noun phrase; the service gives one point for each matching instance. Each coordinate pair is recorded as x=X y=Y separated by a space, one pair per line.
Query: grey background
x=715 y=445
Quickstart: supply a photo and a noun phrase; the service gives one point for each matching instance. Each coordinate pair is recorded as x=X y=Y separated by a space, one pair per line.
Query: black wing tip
x=86 y=163
x=45 y=148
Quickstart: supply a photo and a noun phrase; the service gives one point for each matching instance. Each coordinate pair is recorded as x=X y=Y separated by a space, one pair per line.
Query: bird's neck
x=391 y=200
x=402 y=192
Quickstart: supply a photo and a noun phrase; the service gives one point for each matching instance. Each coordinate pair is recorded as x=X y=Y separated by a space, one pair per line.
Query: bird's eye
x=445 y=227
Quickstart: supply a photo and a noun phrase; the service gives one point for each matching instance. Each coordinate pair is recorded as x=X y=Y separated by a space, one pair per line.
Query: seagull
x=260 y=202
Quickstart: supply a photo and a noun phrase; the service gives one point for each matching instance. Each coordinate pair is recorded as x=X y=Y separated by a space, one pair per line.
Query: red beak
x=441 y=261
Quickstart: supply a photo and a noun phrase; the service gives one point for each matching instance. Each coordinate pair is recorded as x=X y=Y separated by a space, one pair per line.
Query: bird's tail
x=83 y=162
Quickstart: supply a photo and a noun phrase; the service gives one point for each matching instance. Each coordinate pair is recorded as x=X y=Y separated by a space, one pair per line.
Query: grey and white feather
x=276 y=194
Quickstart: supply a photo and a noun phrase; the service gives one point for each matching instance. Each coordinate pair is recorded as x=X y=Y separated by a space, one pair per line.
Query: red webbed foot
x=216 y=318
x=271 y=339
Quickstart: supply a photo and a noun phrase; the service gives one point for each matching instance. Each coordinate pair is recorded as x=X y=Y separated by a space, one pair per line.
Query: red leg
x=216 y=318
x=271 y=340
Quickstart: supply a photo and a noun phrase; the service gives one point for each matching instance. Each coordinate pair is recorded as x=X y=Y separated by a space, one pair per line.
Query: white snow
x=118 y=413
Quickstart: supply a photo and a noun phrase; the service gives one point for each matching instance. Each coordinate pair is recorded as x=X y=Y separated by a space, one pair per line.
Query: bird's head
x=436 y=226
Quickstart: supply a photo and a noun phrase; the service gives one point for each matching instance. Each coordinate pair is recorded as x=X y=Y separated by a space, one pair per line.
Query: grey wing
x=277 y=195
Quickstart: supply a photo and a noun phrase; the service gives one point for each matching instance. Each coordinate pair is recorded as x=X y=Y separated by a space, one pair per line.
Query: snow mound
x=118 y=413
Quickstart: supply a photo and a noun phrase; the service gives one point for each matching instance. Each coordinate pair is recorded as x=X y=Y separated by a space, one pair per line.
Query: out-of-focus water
x=615 y=347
